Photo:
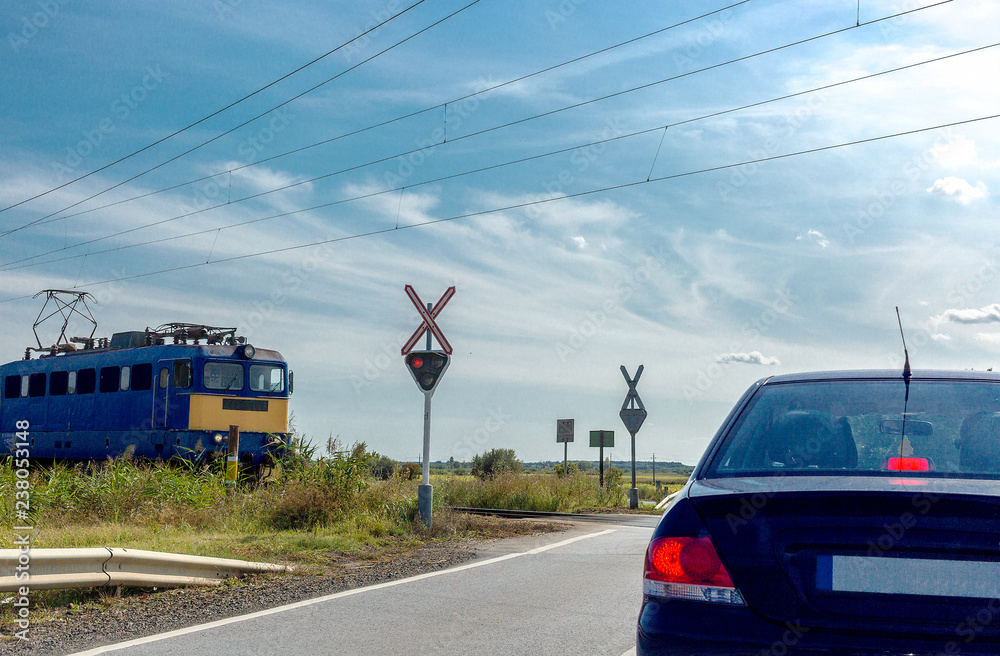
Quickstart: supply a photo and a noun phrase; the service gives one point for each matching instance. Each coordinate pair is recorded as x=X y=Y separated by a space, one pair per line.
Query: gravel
x=145 y=613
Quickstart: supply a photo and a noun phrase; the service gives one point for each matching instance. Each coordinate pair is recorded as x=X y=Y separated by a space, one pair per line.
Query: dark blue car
x=849 y=513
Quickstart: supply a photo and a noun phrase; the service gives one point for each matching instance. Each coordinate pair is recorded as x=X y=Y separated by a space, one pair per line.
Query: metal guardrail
x=51 y=569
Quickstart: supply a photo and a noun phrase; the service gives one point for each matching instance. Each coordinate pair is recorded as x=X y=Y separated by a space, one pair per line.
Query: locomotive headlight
x=248 y=351
x=218 y=438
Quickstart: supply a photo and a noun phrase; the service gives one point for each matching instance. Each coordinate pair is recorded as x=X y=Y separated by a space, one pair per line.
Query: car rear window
x=931 y=428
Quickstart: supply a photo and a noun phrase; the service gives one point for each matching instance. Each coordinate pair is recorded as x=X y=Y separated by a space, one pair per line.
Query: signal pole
x=426 y=367
x=632 y=415
x=425 y=491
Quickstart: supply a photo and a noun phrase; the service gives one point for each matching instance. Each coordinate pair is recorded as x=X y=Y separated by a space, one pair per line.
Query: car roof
x=883 y=374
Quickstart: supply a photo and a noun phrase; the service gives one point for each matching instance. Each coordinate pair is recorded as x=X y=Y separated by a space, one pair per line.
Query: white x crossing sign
x=632 y=413
x=429 y=322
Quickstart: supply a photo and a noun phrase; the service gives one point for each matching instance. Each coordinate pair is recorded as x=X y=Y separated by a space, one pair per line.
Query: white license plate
x=908 y=576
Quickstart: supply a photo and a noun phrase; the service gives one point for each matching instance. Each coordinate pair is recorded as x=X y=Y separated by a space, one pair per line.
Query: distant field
x=673 y=480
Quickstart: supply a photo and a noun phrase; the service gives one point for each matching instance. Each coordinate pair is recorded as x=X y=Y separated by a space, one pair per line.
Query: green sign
x=596 y=437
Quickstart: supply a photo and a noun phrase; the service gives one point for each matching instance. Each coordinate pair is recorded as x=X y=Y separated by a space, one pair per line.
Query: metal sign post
x=564 y=434
x=427 y=367
x=632 y=414
x=602 y=438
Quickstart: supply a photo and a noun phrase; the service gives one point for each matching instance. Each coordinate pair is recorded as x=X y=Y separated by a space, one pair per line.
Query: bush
x=494 y=462
x=384 y=468
x=315 y=492
x=571 y=468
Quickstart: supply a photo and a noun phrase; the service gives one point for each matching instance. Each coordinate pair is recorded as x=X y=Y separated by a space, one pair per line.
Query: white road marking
x=630 y=652
x=331 y=597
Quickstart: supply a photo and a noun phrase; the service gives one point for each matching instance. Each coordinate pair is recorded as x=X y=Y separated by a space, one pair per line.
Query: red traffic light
x=427 y=367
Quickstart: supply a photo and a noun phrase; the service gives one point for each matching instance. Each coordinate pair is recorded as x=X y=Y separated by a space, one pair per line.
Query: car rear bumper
x=678 y=628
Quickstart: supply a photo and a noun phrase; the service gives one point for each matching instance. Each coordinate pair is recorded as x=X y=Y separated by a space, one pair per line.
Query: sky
x=719 y=191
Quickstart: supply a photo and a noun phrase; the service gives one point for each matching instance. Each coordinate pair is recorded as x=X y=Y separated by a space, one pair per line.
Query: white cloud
x=988 y=314
x=753 y=357
x=262 y=178
x=991 y=339
x=941 y=337
x=816 y=237
x=580 y=241
x=959 y=190
x=406 y=207
x=957 y=152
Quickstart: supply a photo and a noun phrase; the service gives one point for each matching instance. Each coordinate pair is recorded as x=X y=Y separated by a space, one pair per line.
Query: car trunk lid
x=859 y=551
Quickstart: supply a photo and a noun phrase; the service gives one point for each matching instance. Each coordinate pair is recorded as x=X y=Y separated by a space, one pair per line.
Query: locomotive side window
x=24 y=385
x=267 y=378
x=59 y=383
x=226 y=376
x=126 y=378
x=109 y=379
x=36 y=385
x=86 y=381
x=164 y=377
x=182 y=373
x=11 y=387
x=142 y=377
x=71 y=383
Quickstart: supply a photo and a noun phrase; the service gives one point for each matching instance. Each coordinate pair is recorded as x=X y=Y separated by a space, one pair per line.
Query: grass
x=311 y=512
x=580 y=492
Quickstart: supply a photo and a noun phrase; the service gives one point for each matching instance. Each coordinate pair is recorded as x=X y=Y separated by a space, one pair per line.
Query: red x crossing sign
x=428 y=317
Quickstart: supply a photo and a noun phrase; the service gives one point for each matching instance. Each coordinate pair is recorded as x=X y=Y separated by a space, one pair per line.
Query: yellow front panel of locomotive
x=217 y=413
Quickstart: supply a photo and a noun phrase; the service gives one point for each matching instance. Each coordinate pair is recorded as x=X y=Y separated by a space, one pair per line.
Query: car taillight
x=688 y=568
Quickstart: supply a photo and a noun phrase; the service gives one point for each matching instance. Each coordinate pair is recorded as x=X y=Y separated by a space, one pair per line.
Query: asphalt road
x=576 y=592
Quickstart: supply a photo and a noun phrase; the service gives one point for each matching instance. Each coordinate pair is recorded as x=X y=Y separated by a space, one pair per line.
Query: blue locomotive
x=163 y=393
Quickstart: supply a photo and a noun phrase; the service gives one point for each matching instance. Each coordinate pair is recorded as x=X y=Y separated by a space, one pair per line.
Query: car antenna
x=906 y=355
x=906 y=381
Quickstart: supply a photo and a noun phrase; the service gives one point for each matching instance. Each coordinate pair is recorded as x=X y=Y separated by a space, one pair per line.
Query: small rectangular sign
x=564 y=430
x=595 y=438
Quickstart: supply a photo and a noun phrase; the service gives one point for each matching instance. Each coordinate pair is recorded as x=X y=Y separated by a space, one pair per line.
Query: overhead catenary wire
x=13 y=265
x=442 y=106
x=247 y=122
x=526 y=204
x=213 y=114
x=469 y=135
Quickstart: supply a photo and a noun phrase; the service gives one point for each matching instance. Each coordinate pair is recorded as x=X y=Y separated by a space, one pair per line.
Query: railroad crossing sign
x=633 y=413
x=429 y=324
x=427 y=367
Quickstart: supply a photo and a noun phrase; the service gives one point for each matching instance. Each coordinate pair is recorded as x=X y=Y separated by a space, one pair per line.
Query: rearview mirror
x=913 y=427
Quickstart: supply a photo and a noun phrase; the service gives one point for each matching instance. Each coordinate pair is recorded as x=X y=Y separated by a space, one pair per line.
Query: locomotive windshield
x=267 y=378
x=227 y=376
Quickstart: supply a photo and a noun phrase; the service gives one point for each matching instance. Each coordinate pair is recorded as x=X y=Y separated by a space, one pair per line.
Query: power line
x=516 y=206
x=455 y=175
x=9 y=265
x=219 y=136
x=453 y=101
x=213 y=114
x=498 y=127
